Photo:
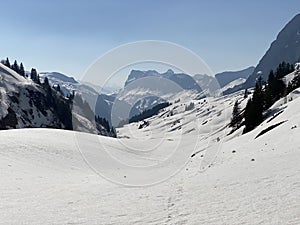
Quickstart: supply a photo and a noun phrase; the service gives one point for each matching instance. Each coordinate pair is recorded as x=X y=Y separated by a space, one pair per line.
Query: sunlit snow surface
x=45 y=180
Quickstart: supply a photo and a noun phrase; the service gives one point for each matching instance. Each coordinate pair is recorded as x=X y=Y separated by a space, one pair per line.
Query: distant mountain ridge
x=227 y=77
x=185 y=81
x=59 y=76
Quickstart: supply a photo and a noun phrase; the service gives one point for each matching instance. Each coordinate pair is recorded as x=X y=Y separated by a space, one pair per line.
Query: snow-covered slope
x=233 y=84
x=26 y=104
x=227 y=77
x=251 y=180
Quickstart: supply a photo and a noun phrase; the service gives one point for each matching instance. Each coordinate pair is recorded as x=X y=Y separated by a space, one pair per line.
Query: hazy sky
x=68 y=35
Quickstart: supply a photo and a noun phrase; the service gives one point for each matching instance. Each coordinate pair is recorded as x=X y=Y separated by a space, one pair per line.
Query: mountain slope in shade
x=286 y=48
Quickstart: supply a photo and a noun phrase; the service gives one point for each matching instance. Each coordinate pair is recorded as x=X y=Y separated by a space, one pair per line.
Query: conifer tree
x=34 y=75
x=7 y=63
x=22 y=70
x=237 y=118
x=16 y=67
x=246 y=93
x=46 y=82
x=38 y=79
x=254 y=108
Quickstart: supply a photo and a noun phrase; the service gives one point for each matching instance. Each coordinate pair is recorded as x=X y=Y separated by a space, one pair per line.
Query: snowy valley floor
x=44 y=180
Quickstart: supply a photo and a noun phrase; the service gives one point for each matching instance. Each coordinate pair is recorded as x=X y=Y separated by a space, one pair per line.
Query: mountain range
x=143 y=90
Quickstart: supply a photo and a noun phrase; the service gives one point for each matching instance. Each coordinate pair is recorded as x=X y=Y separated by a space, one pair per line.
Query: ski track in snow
x=44 y=180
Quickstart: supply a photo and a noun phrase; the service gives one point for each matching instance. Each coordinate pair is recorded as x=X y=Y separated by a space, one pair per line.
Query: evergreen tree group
x=34 y=76
x=104 y=123
x=20 y=69
x=15 y=66
x=266 y=94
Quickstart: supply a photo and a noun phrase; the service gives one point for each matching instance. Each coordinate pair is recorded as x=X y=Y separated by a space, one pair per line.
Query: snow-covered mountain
x=69 y=84
x=185 y=81
x=209 y=84
x=58 y=77
x=222 y=81
x=143 y=90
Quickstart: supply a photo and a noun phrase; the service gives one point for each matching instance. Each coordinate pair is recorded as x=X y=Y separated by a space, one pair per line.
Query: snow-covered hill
x=27 y=104
x=252 y=180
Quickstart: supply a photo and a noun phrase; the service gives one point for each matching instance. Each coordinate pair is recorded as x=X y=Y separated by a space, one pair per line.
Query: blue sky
x=68 y=35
